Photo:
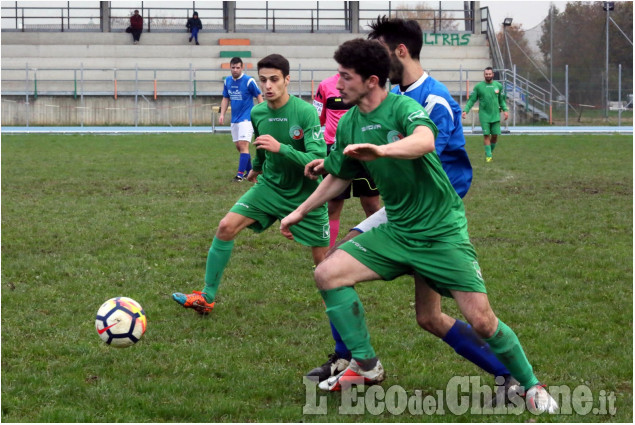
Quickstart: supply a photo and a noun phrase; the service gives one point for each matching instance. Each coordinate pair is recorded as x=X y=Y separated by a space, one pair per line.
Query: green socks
x=492 y=147
x=488 y=151
x=217 y=259
x=346 y=312
x=504 y=343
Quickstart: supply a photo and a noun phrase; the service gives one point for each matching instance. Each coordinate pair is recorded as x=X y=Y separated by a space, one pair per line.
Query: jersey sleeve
x=472 y=100
x=501 y=98
x=225 y=92
x=415 y=116
x=442 y=116
x=254 y=91
x=314 y=145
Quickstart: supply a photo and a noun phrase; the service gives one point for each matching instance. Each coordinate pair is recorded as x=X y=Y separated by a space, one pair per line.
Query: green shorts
x=493 y=128
x=445 y=265
x=266 y=206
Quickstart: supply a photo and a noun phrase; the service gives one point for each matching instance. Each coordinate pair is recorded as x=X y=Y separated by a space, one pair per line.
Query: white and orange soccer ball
x=121 y=322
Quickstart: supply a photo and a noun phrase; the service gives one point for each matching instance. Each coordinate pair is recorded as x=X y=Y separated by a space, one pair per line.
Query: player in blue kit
x=240 y=90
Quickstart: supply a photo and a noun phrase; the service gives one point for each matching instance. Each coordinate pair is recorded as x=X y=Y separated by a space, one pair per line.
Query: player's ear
x=286 y=80
x=372 y=81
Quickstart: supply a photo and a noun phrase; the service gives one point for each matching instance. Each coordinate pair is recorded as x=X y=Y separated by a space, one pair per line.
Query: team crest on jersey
x=393 y=136
x=296 y=132
x=496 y=91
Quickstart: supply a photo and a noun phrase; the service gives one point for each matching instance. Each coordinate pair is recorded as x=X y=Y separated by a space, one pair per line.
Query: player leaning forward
x=288 y=136
x=392 y=137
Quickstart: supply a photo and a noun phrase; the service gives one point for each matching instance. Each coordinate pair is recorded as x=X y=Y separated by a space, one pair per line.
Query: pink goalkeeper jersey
x=329 y=106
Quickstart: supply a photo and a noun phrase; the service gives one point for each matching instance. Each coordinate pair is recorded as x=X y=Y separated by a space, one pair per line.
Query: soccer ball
x=120 y=322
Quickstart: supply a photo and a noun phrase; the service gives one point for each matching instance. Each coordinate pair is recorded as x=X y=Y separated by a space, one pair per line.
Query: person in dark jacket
x=194 y=25
x=136 y=26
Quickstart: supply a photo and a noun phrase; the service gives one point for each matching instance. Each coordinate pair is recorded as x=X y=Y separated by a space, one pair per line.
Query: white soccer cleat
x=538 y=400
x=354 y=375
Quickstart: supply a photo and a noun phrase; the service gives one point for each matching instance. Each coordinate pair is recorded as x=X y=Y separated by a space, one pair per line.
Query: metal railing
x=23 y=17
x=183 y=81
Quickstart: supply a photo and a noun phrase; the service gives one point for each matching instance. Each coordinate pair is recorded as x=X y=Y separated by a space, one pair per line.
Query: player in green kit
x=491 y=98
x=392 y=138
x=288 y=136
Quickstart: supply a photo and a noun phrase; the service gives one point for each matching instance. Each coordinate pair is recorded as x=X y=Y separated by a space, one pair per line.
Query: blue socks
x=340 y=347
x=468 y=344
x=244 y=164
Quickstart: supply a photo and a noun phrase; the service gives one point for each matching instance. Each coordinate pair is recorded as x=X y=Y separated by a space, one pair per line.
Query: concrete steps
x=58 y=58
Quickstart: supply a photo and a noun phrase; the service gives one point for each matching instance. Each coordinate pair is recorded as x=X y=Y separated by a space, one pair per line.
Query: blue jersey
x=445 y=112
x=241 y=93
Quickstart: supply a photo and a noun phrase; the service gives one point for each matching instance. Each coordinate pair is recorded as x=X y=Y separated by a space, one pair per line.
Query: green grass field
x=87 y=218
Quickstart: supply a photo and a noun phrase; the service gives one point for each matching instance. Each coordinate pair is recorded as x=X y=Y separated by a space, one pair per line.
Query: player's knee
x=484 y=325
x=329 y=277
x=429 y=322
x=227 y=230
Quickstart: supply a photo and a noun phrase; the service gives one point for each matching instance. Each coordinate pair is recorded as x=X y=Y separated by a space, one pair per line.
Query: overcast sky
x=527 y=13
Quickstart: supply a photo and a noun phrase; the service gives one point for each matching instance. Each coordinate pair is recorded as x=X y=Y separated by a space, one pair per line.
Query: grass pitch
x=87 y=218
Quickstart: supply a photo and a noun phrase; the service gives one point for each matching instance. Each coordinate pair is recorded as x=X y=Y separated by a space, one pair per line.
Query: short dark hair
x=396 y=31
x=275 y=61
x=366 y=57
x=235 y=60
x=489 y=68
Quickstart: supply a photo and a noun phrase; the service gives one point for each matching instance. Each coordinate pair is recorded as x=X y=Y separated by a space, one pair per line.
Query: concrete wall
x=101 y=110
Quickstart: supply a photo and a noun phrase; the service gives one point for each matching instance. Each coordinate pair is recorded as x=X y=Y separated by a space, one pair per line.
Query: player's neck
x=372 y=100
x=412 y=71
x=279 y=102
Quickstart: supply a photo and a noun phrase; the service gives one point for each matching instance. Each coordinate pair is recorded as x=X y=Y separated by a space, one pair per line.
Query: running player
x=426 y=229
x=288 y=136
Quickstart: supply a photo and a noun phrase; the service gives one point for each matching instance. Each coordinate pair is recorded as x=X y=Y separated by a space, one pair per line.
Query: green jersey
x=491 y=98
x=297 y=127
x=420 y=202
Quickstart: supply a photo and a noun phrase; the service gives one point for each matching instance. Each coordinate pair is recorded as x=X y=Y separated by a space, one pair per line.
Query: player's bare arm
x=330 y=187
x=419 y=143
x=267 y=143
x=314 y=169
x=224 y=104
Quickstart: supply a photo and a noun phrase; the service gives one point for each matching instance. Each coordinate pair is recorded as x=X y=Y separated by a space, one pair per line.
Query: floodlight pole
x=606 y=112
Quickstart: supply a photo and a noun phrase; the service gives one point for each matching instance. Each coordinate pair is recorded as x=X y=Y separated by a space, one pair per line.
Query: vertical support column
x=566 y=96
x=354 y=16
x=229 y=16
x=104 y=16
x=476 y=28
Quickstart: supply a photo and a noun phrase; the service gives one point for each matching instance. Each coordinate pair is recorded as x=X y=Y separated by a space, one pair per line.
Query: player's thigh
x=495 y=128
x=256 y=204
x=477 y=311
x=486 y=127
x=242 y=131
x=378 y=250
x=342 y=269
x=232 y=224
x=313 y=230
x=448 y=266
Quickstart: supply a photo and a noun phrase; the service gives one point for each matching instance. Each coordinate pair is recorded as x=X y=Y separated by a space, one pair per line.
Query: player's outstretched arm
x=419 y=143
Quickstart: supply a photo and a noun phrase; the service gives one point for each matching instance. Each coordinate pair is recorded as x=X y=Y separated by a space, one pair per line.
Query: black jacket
x=194 y=23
